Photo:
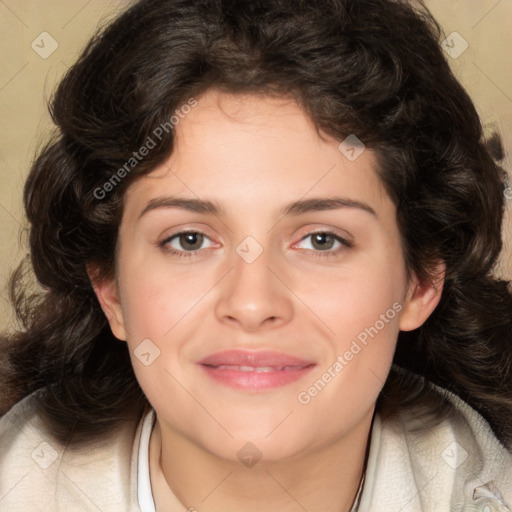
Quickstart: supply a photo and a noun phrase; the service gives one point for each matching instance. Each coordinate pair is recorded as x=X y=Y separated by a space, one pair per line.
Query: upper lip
x=263 y=358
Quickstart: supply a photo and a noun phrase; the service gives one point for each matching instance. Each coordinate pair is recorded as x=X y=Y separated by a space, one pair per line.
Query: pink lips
x=255 y=371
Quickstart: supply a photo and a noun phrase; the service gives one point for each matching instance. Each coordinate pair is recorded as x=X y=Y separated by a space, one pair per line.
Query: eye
x=324 y=243
x=185 y=243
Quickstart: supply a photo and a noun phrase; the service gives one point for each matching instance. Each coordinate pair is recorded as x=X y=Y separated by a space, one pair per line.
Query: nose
x=253 y=296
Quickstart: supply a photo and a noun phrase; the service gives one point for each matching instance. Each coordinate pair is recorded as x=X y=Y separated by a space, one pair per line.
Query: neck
x=326 y=478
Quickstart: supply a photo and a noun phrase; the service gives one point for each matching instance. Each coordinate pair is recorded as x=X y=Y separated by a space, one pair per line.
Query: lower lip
x=256 y=381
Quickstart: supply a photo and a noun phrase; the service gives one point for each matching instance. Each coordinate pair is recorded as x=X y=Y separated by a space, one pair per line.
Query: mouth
x=254 y=371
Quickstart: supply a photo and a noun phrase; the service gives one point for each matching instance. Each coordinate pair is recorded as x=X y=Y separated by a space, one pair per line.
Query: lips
x=263 y=359
x=254 y=371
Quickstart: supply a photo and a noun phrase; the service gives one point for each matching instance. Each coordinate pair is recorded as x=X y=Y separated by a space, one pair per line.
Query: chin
x=257 y=445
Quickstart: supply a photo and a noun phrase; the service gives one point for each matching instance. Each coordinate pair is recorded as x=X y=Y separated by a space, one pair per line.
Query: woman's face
x=292 y=247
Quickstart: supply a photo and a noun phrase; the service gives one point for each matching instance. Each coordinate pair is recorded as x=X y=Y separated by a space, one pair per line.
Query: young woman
x=265 y=233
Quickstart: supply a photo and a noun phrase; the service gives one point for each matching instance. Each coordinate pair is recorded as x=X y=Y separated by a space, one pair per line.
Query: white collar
x=144 y=492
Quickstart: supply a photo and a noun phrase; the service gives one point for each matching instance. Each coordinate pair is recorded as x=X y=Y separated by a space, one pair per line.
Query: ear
x=422 y=298
x=107 y=292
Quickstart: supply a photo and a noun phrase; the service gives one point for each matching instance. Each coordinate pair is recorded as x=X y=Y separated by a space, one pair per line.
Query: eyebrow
x=299 y=207
x=321 y=203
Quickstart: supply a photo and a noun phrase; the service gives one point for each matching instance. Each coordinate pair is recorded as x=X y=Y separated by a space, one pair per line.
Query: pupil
x=323 y=240
x=191 y=241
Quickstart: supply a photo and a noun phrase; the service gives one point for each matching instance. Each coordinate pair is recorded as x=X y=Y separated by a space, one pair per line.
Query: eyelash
x=189 y=254
x=345 y=244
x=181 y=254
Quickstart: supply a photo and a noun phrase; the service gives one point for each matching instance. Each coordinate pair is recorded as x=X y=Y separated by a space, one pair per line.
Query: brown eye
x=191 y=241
x=186 y=243
x=322 y=241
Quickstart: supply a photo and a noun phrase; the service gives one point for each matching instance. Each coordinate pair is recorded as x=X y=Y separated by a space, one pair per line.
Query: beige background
x=27 y=79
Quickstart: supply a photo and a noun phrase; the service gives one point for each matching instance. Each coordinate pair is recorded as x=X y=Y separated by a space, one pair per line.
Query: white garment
x=144 y=493
x=456 y=465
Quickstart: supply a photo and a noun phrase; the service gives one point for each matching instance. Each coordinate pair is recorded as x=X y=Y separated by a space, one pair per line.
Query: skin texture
x=252 y=156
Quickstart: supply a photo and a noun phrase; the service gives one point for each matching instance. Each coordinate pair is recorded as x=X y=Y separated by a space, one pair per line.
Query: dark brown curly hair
x=373 y=68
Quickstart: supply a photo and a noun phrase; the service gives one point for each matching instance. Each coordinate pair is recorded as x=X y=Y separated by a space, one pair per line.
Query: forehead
x=246 y=149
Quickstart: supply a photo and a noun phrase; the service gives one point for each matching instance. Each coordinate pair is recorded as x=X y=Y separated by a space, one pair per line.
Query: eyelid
x=346 y=242
x=173 y=236
x=193 y=227
x=331 y=230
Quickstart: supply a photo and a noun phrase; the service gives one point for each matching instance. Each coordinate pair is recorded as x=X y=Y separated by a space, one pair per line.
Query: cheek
x=364 y=321
x=361 y=309
x=348 y=301
x=162 y=309
x=156 y=298
x=156 y=305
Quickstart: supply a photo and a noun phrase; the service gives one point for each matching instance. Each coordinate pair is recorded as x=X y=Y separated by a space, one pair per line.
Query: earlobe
x=107 y=292
x=423 y=296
